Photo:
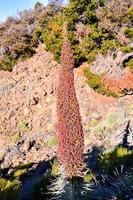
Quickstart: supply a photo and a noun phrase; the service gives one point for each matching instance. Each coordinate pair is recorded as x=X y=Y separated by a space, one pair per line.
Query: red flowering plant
x=69 y=126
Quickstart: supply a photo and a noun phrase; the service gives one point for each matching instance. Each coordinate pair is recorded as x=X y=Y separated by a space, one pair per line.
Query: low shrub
x=130 y=64
x=126 y=49
x=24 y=166
x=109 y=45
x=86 y=45
x=89 y=177
x=92 y=55
x=23 y=125
x=15 y=137
x=92 y=123
x=37 y=35
x=52 y=36
x=120 y=156
x=130 y=14
x=7 y=63
x=20 y=173
x=114 y=119
x=52 y=141
x=9 y=189
x=55 y=171
x=129 y=32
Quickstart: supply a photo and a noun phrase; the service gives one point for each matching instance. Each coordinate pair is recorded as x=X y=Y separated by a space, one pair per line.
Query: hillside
x=31 y=56
x=28 y=111
x=99 y=32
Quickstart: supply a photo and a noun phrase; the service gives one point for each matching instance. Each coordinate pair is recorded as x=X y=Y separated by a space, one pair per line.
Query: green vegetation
x=126 y=49
x=89 y=177
x=101 y=184
x=23 y=166
x=52 y=141
x=114 y=118
x=130 y=64
x=95 y=82
x=23 y=125
x=108 y=165
x=104 y=128
x=53 y=36
x=109 y=44
x=7 y=63
x=20 y=173
x=37 y=34
x=92 y=55
x=55 y=171
x=15 y=137
x=94 y=32
x=92 y=123
x=129 y=32
x=92 y=29
x=9 y=189
x=111 y=160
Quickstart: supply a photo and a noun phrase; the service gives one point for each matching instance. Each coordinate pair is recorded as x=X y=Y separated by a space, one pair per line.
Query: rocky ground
x=28 y=112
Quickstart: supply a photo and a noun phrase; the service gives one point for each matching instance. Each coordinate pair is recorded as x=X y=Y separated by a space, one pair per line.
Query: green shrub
x=92 y=55
x=114 y=118
x=130 y=14
x=37 y=34
x=52 y=36
x=20 y=173
x=23 y=125
x=52 y=141
x=48 y=29
x=89 y=177
x=55 y=171
x=78 y=54
x=15 y=137
x=86 y=46
x=7 y=63
x=92 y=123
x=126 y=49
x=9 y=189
x=19 y=51
x=24 y=166
x=95 y=82
x=53 y=44
x=129 y=32
x=109 y=45
x=97 y=37
x=3 y=183
x=130 y=64
x=107 y=125
x=101 y=131
x=120 y=156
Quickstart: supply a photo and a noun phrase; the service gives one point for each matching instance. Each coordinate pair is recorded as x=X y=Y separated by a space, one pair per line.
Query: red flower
x=69 y=126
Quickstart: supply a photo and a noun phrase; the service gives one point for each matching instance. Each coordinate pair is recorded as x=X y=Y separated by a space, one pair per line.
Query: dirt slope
x=28 y=111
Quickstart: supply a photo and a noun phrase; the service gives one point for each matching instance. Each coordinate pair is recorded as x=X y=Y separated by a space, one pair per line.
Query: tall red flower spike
x=69 y=126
